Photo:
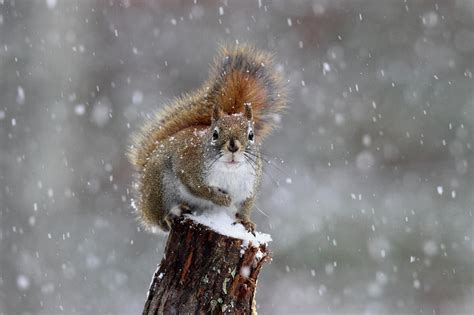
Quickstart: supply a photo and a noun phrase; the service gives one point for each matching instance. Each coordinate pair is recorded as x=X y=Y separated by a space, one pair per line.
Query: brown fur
x=240 y=74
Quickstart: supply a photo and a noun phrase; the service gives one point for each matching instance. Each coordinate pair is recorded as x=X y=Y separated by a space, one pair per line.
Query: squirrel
x=203 y=150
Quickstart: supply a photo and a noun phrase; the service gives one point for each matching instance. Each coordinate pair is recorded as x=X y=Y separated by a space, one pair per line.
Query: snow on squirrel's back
x=222 y=223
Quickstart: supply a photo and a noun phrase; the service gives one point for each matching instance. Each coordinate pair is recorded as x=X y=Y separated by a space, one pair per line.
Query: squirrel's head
x=231 y=137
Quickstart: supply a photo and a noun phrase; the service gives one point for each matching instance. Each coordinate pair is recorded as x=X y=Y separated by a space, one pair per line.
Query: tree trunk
x=204 y=272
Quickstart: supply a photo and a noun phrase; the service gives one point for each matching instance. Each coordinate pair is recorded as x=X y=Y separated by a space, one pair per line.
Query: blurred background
x=370 y=203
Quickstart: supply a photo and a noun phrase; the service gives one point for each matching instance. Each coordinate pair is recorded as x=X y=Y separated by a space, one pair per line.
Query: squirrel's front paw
x=247 y=223
x=221 y=198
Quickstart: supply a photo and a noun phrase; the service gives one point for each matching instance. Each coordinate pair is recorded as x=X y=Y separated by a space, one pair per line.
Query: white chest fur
x=237 y=180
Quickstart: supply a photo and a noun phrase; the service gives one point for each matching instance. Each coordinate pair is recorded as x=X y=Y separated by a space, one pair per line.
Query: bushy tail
x=240 y=74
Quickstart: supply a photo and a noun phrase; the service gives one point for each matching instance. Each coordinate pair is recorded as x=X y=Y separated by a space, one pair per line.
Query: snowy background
x=371 y=211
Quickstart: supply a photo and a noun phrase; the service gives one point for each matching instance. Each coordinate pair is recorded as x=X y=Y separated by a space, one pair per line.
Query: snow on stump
x=210 y=266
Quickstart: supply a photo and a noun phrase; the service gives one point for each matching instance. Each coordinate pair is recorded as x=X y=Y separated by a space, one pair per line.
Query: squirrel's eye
x=251 y=136
x=215 y=135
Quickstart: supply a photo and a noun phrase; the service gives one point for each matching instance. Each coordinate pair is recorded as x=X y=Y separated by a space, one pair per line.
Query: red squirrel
x=203 y=150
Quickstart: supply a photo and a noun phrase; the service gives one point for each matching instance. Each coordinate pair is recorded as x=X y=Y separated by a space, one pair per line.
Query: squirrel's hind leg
x=166 y=223
x=185 y=209
x=181 y=209
x=152 y=195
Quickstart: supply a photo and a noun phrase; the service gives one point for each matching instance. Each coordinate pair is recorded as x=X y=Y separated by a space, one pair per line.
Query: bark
x=204 y=272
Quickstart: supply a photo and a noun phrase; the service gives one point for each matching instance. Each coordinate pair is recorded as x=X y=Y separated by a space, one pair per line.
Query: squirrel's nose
x=232 y=146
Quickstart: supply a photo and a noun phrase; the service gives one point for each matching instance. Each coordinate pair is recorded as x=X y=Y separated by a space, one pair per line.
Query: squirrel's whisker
x=233 y=108
x=250 y=158
x=249 y=161
x=270 y=163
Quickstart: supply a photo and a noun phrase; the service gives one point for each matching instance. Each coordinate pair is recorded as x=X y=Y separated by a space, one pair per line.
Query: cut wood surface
x=204 y=272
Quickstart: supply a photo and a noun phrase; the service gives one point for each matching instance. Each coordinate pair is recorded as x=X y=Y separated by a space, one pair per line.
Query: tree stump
x=205 y=272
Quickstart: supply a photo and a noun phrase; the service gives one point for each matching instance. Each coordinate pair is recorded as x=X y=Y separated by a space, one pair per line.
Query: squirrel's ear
x=216 y=112
x=248 y=111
